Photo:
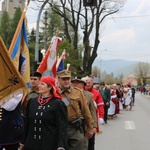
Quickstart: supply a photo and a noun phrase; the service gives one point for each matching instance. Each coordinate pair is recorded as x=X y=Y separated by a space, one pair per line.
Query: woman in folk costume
x=113 y=102
x=128 y=97
x=46 y=119
x=119 y=92
x=121 y=100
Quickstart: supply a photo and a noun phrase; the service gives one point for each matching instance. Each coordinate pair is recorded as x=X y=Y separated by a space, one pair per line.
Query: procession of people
x=39 y=111
x=62 y=113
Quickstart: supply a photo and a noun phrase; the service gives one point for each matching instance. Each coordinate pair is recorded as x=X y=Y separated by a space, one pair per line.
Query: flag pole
x=18 y=27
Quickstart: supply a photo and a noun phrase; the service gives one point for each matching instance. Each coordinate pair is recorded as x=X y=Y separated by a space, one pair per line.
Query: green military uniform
x=33 y=92
x=89 y=98
x=90 y=101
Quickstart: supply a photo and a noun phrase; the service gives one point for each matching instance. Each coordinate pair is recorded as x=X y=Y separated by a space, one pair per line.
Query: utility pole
x=45 y=31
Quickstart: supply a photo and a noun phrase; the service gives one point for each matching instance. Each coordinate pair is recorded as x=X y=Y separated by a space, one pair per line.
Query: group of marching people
x=61 y=114
x=121 y=97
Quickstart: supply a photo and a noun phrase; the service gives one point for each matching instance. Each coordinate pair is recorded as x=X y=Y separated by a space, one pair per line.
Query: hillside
x=116 y=66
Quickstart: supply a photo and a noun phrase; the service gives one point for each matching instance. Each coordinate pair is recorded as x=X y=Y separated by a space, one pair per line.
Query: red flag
x=48 y=63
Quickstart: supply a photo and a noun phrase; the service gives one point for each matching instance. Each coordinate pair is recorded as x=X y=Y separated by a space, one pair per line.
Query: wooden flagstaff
x=18 y=27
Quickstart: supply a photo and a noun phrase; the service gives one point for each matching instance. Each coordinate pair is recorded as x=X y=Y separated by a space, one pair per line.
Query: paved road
x=130 y=130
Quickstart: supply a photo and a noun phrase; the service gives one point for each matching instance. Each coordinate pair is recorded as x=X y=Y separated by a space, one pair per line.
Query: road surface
x=130 y=130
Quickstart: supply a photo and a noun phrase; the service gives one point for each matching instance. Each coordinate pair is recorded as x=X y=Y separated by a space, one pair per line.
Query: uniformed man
x=34 y=82
x=79 y=83
x=77 y=111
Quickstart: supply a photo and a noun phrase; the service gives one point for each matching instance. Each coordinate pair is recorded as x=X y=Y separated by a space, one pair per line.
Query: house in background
x=130 y=79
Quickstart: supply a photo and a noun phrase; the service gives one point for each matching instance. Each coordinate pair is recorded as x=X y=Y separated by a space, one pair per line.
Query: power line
x=135 y=55
x=125 y=53
x=126 y=17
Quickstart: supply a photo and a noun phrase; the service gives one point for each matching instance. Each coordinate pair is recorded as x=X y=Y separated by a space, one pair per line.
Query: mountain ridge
x=116 y=66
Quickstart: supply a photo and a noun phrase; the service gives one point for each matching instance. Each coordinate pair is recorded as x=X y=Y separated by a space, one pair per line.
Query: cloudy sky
x=126 y=35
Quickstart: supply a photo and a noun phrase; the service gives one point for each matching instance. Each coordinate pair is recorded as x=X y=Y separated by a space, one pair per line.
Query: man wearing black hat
x=34 y=82
x=105 y=92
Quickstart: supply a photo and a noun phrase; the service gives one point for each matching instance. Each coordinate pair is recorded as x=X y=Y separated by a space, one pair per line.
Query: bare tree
x=109 y=79
x=142 y=71
x=96 y=72
x=85 y=21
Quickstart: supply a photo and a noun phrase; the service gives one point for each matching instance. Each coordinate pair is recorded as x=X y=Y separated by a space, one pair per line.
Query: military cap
x=36 y=74
x=64 y=74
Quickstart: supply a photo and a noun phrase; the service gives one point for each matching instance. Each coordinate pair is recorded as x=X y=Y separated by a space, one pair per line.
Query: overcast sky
x=126 y=35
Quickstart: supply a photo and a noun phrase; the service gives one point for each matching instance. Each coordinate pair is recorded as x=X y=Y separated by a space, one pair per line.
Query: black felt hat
x=78 y=79
x=102 y=83
x=36 y=74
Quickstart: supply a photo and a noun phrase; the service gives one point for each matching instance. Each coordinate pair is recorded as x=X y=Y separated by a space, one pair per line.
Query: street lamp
x=37 y=32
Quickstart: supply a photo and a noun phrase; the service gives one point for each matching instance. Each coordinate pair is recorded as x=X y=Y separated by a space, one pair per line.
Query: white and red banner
x=48 y=63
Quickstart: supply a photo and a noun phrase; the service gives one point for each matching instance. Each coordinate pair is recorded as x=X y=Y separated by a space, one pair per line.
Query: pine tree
x=5 y=28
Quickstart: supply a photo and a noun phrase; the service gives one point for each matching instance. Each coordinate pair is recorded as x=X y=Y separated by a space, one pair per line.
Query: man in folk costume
x=80 y=83
x=133 y=94
x=106 y=97
x=113 y=103
x=11 y=125
x=99 y=102
x=12 y=91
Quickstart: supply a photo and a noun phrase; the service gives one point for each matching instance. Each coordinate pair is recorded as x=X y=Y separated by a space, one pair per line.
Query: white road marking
x=129 y=125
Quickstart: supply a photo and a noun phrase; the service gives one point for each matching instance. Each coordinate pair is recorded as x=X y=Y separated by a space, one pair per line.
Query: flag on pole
x=12 y=83
x=60 y=62
x=61 y=66
x=19 y=50
x=48 y=63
